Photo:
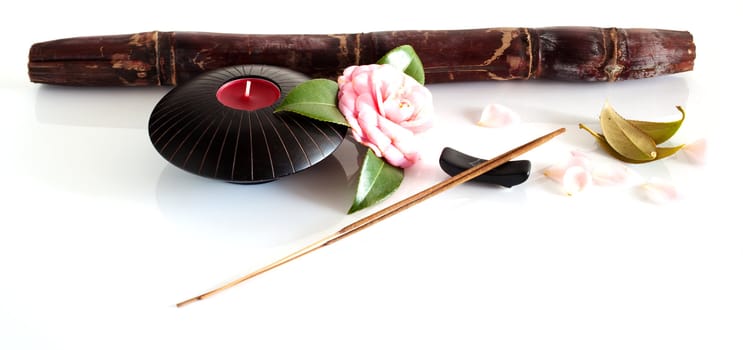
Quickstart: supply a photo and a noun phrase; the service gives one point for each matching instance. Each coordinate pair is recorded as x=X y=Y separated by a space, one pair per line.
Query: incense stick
x=393 y=209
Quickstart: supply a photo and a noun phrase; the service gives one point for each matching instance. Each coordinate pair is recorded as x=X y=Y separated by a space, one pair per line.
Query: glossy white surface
x=100 y=237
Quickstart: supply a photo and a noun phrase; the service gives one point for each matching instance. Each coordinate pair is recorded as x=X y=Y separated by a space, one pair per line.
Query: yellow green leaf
x=668 y=151
x=625 y=138
x=662 y=152
x=660 y=131
x=607 y=148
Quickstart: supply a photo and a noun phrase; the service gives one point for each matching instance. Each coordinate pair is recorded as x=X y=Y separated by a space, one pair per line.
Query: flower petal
x=555 y=172
x=660 y=191
x=496 y=116
x=606 y=174
x=577 y=159
x=575 y=179
x=696 y=151
x=393 y=156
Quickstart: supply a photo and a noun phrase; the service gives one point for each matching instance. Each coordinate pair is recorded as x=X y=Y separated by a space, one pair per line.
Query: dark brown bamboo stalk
x=563 y=53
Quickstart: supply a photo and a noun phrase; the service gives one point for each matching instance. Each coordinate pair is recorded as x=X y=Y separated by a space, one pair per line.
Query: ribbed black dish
x=195 y=132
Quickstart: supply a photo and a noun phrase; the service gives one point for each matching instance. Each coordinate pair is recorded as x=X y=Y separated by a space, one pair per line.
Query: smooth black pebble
x=509 y=174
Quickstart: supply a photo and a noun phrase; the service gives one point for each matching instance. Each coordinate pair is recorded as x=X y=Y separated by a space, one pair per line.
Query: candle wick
x=247 y=88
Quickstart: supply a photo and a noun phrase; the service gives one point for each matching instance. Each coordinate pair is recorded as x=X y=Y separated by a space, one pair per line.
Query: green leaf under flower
x=404 y=58
x=377 y=181
x=317 y=99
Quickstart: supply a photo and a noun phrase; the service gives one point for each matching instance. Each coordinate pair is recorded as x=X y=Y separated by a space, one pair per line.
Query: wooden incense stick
x=393 y=209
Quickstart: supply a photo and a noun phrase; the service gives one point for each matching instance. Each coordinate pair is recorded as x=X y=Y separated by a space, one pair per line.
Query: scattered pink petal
x=575 y=179
x=497 y=116
x=696 y=151
x=574 y=174
x=606 y=174
x=660 y=191
x=578 y=172
x=580 y=159
x=555 y=172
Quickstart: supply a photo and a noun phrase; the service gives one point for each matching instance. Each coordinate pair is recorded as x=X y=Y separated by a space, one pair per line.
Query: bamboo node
x=613 y=71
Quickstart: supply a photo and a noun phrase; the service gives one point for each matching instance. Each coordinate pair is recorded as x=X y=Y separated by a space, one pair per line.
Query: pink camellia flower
x=385 y=108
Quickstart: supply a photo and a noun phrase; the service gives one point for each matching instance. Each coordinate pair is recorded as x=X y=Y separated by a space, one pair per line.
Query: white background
x=100 y=237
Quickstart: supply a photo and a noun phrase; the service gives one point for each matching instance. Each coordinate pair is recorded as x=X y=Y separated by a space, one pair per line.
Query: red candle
x=248 y=94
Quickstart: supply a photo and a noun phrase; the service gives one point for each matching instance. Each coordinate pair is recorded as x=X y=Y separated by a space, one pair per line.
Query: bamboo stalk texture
x=561 y=53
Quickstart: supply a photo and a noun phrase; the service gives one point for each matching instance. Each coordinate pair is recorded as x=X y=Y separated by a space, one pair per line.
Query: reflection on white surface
x=318 y=198
x=545 y=102
x=537 y=100
x=112 y=107
x=100 y=236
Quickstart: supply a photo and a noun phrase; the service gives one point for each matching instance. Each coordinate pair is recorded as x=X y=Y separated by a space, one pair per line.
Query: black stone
x=509 y=174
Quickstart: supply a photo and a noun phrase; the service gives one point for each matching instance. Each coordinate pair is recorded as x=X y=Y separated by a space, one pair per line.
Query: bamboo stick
x=563 y=53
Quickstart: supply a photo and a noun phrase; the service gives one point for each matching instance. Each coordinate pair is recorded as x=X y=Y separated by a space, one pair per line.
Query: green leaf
x=601 y=140
x=317 y=99
x=660 y=132
x=405 y=59
x=377 y=180
x=662 y=152
x=625 y=138
x=668 y=151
